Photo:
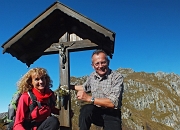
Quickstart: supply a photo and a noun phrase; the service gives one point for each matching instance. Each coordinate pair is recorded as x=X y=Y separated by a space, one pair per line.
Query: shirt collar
x=96 y=76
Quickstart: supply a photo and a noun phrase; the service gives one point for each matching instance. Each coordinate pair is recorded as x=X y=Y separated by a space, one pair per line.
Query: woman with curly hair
x=39 y=83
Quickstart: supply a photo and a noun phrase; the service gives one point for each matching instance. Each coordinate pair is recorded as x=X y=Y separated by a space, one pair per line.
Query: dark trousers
x=51 y=123
x=110 y=119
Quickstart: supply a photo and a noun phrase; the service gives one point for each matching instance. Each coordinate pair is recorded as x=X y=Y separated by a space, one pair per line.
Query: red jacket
x=37 y=115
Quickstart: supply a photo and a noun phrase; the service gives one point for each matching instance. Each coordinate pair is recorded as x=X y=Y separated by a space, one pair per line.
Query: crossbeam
x=72 y=46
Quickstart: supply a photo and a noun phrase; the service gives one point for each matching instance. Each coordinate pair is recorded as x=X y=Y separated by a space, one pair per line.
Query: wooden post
x=65 y=119
x=65 y=46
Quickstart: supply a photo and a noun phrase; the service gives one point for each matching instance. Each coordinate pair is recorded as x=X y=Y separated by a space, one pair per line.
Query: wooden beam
x=65 y=119
x=76 y=45
x=63 y=48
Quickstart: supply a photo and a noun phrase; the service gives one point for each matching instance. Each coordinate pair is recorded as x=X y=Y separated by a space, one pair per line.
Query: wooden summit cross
x=64 y=48
x=59 y=30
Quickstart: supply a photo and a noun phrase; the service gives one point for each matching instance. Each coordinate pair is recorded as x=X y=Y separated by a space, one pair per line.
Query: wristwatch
x=92 y=100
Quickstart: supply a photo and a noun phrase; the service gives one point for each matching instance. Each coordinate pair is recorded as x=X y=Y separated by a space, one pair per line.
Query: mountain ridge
x=151 y=101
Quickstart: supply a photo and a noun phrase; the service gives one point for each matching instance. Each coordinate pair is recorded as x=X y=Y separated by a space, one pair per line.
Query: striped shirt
x=110 y=86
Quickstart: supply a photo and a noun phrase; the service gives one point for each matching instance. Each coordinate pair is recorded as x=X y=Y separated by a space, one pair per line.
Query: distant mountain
x=151 y=101
x=2 y=115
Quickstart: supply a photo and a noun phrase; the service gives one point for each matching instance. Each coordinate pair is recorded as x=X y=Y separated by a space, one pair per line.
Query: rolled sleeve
x=116 y=91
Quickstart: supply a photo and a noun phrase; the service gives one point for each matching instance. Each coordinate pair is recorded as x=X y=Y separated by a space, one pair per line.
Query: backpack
x=9 y=121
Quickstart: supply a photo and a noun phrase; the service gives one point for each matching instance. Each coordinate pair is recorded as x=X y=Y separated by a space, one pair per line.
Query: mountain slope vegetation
x=151 y=101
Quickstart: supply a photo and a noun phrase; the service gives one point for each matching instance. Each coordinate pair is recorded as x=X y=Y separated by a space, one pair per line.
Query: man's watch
x=92 y=100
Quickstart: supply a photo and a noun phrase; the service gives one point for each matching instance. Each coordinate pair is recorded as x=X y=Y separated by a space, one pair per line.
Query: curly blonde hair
x=24 y=84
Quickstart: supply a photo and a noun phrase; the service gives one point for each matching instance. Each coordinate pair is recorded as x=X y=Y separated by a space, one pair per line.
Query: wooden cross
x=64 y=46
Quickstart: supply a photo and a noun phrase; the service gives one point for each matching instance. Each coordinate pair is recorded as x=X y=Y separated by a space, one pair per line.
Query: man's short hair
x=100 y=51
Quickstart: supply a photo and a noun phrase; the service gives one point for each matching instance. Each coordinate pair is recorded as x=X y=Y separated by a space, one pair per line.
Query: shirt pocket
x=107 y=89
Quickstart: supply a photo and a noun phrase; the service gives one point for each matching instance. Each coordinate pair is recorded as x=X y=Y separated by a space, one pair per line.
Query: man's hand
x=81 y=95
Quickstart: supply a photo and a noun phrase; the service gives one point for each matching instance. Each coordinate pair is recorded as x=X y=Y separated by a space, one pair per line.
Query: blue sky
x=147 y=37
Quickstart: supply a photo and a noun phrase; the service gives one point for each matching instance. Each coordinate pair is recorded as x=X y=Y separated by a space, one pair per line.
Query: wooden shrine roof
x=30 y=43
